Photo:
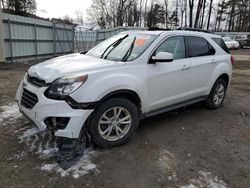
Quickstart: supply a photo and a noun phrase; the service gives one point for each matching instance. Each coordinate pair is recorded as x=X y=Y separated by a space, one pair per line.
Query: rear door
x=202 y=62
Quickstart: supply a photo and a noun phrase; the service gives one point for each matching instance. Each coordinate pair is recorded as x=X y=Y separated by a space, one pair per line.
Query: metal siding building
x=28 y=38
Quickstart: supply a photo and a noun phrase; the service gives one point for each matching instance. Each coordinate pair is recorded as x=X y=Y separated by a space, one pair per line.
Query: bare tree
x=191 y=8
x=183 y=11
x=120 y=15
x=199 y=6
x=209 y=13
x=220 y=14
x=203 y=13
x=166 y=12
x=140 y=12
x=176 y=12
x=232 y=15
x=79 y=17
x=2 y=4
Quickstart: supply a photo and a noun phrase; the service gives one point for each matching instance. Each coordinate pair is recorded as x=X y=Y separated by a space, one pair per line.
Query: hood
x=68 y=65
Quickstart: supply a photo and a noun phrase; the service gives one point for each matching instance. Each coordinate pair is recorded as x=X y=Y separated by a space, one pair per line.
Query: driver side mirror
x=162 y=57
x=83 y=52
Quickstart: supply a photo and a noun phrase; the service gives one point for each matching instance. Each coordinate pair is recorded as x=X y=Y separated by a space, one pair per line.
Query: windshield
x=122 y=47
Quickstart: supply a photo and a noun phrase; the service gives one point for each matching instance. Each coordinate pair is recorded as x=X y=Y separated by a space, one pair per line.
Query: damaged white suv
x=130 y=76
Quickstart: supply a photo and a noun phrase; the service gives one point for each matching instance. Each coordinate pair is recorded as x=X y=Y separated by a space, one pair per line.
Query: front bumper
x=45 y=108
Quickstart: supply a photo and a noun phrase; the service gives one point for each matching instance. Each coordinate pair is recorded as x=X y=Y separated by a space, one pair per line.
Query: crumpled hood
x=68 y=65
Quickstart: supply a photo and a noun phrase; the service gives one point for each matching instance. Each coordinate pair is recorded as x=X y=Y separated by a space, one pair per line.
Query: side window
x=174 y=45
x=222 y=44
x=198 y=46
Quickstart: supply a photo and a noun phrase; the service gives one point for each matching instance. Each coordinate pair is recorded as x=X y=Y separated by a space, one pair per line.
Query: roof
x=144 y=32
x=173 y=32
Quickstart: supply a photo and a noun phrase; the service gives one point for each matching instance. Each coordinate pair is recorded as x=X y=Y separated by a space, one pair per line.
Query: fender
x=99 y=86
x=221 y=68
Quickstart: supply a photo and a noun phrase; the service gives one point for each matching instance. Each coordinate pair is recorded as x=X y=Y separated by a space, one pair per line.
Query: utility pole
x=2 y=53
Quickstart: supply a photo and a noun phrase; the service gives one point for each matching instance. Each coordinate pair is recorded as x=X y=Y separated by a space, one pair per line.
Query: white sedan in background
x=230 y=43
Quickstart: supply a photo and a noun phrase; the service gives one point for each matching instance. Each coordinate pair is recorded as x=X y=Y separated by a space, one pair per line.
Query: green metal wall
x=31 y=39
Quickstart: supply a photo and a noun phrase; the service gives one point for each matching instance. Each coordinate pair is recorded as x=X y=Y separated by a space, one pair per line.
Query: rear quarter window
x=221 y=43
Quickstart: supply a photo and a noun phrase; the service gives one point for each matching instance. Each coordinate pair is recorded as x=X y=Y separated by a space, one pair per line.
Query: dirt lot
x=190 y=147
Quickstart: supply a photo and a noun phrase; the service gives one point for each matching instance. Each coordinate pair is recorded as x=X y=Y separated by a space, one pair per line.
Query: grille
x=36 y=81
x=28 y=99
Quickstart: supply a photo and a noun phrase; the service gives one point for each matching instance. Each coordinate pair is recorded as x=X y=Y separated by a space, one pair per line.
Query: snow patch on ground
x=83 y=166
x=41 y=143
x=167 y=164
x=28 y=133
x=44 y=145
x=10 y=112
x=205 y=179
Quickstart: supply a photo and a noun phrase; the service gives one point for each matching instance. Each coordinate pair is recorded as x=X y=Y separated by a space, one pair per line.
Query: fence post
x=96 y=37
x=67 y=37
x=10 y=41
x=54 y=39
x=2 y=47
x=73 y=38
x=36 y=46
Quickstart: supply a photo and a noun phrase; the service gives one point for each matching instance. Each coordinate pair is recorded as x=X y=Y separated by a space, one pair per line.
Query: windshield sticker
x=140 y=41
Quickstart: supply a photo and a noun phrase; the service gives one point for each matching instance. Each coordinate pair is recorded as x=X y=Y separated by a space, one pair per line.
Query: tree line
x=217 y=15
x=28 y=8
x=19 y=7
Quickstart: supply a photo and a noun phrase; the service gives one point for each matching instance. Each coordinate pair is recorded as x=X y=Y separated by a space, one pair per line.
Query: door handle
x=213 y=62
x=185 y=67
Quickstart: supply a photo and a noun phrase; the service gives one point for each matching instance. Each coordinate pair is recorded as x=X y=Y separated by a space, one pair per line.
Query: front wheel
x=114 y=122
x=217 y=94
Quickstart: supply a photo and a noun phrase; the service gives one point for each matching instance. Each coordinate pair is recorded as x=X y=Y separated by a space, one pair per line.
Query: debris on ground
x=205 y=179
x=243 y=114
x=10 y=112
x=44 y=145
x=167 y=164
x=81 y=168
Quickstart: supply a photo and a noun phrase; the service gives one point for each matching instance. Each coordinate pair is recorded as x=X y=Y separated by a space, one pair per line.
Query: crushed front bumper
x=45 y=108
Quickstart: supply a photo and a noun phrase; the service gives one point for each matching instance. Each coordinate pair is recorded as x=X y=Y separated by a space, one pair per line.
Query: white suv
x=122 y=80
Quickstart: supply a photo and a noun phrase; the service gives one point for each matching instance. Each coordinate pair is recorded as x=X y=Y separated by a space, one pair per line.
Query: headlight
x=64 y=86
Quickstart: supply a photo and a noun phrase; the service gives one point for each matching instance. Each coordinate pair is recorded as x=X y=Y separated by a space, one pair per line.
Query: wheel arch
x=123 y=93
x=225 y=77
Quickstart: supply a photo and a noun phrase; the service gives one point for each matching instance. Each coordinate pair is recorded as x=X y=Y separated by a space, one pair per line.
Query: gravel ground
x=191 y=147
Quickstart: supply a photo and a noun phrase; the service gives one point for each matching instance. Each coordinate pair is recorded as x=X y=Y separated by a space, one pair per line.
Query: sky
x=60 y=8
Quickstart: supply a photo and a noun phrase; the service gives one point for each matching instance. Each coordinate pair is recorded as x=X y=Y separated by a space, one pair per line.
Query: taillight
x=232 y=60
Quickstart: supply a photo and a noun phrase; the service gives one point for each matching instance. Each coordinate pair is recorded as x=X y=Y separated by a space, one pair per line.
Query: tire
x=109 y=124
x=217 y=96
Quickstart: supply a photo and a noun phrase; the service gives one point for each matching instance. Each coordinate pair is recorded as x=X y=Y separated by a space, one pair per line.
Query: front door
x=168 y=82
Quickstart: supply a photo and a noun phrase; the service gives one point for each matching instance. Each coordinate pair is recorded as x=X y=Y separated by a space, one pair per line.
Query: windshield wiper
x=128 y=53
x=113 y=44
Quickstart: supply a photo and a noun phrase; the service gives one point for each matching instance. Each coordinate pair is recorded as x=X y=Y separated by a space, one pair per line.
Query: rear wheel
x=217 y=94
x=114 y=122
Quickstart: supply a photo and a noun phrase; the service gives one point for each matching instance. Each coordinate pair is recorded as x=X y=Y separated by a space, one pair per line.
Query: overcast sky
x=60 y=8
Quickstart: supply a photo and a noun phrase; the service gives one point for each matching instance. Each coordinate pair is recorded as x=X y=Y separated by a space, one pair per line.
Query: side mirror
x=83 y=52
x=162 y=57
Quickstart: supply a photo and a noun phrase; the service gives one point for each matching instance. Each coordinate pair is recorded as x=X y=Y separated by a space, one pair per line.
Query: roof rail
x=158 y=29
x=194 y=29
